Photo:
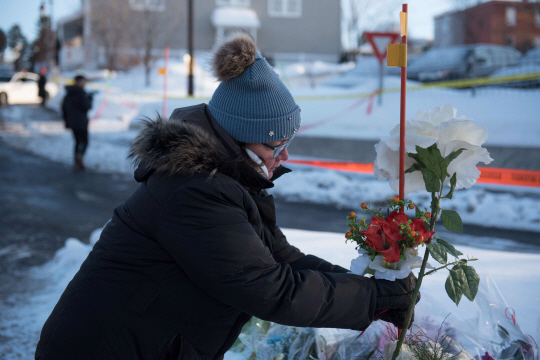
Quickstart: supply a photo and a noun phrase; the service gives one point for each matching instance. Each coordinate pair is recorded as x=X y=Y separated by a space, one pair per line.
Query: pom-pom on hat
x=251 y=104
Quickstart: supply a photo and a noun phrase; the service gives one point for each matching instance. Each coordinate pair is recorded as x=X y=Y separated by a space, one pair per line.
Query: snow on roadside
x=23 y=315
x=515 y=208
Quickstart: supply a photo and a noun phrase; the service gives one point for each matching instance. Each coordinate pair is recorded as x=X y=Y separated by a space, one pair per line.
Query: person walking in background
x=75 y=108
x=42 y=93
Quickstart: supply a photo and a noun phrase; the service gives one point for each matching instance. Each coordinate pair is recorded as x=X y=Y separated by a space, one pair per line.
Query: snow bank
x=23 y=315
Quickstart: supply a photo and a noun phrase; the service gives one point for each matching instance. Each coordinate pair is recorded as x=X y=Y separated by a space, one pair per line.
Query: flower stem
x=445 y=266
x=435 y=211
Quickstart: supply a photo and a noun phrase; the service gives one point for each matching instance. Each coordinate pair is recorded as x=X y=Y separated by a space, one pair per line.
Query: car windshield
x=533 y=56
x=441 y=57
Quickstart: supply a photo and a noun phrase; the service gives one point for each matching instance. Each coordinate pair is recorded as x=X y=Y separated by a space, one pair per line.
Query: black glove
x=396 y=317
x=395 y=297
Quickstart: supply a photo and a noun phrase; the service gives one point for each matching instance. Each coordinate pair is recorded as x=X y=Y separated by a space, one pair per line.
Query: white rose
x=439 y=126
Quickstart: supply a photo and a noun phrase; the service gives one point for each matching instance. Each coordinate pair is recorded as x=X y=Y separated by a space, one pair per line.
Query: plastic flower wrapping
x=482 y=330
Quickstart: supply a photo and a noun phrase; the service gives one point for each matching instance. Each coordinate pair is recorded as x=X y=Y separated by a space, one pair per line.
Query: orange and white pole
x=397 y=56
x=403 y=102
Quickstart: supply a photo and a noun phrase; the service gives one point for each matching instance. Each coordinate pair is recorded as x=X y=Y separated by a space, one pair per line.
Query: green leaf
x=503 y=333
x=452 y=221
x=454 y=284
x=453 y=155
x=413 y=168
x=432 y=158
x=449 y=248
x=417 y=158
x=472 y=280
x=433 y=184
x=438 y=252
x=453 y=180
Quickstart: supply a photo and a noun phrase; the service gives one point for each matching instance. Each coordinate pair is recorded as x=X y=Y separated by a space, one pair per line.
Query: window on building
x=151 y=5
x=511 y=16
x=537 y=16
x=285 y=8
x=233 y=2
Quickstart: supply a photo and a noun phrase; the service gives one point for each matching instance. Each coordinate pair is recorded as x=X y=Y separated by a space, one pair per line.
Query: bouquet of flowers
x=388 y=246
x=442 y=152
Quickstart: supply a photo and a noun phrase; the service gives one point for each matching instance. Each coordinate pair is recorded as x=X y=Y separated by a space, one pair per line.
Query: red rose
x=383 y=238
x=395 y=218
x=392 y=254
x=418 y=225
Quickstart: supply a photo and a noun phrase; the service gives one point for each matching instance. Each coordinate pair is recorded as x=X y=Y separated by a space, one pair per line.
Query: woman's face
x=266 y=155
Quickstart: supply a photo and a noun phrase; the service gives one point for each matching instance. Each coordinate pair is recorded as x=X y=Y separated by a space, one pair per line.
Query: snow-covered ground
x=23 y=314
x=511 y=116
x=334 y=108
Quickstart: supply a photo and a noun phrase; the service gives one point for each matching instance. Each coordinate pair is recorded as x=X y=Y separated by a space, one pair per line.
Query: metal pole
x=402 y=123
x=52 y=42
x=164 y=113
x=190 y=47
x=381 y=75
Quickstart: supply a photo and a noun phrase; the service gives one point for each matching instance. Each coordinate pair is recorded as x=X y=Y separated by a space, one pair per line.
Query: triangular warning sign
x=379 y=42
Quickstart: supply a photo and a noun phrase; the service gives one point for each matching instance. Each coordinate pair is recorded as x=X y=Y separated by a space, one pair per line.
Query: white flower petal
x=411 y=141
x=360 y=264
x=386 y=162
x=439 y=126
x=464 y=130
x=442 y=114
x=465 y=164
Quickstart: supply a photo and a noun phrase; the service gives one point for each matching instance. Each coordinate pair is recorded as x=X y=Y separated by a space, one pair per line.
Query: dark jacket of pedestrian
x=195 y=252
x=75 y=107
x=42 y=82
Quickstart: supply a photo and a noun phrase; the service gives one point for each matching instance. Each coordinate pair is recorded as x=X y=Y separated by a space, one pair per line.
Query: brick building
x=511 y=23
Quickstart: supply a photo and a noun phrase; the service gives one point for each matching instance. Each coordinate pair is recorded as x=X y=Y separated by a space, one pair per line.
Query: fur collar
x=192 y=142
x=182 y=147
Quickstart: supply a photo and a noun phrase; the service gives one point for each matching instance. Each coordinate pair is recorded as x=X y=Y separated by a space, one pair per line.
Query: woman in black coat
x=195 y=251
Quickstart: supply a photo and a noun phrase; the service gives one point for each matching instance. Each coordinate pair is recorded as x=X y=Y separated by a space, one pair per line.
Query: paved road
x=44 y=202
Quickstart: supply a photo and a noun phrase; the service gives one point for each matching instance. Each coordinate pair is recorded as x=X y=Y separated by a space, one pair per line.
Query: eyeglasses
x=280 y=148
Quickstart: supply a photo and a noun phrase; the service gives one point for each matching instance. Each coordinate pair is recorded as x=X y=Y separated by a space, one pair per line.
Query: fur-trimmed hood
x=178 y=147
x=192 y=142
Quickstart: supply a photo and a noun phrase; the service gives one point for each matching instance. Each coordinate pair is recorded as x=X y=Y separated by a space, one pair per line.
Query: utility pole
x=52 y=40
x=190 y=47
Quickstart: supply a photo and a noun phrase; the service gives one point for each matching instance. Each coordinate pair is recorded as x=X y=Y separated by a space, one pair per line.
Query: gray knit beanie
x=251 y=104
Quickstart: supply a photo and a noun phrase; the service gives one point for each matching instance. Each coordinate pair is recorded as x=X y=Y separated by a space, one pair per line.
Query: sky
x=421 y=13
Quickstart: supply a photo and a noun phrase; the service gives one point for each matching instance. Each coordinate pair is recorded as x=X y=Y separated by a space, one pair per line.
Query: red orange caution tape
x=499 y=176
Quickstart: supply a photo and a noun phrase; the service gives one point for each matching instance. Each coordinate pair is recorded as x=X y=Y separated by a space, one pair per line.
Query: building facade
x=509 y=23
x=283 y=29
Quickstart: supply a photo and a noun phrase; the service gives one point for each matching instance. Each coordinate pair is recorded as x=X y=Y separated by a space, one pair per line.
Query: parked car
x=22 y=88
x=528 y=65
x=461 y=62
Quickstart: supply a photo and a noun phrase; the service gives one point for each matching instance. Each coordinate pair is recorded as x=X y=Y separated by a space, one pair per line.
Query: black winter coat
x=75 y=108
x=191 y=256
